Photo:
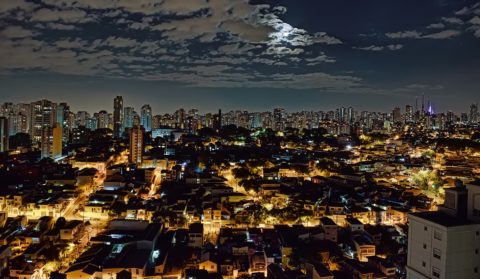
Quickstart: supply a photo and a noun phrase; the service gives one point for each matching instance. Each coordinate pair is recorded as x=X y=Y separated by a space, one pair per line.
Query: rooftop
x=442 y=218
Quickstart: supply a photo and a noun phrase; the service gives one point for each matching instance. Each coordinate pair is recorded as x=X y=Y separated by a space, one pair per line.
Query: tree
x=241 y=173
x=206 y=132
x=60 y=223
x=421 y=179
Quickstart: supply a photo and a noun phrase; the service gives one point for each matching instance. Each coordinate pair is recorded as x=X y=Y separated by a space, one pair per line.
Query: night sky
x=234 y=54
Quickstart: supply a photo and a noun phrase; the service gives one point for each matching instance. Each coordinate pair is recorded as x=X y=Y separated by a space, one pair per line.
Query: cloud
x=282 y=50
x=183 y=7
x=475 y=20
x=119 y=42
x=196 y=43
x=56 y=26
x=381 y=48
x=421 y=86
x=436 y=26
x=287 y=34
x=247 y=31
x=71 y=43
x=12 y=5
x=279 y=10
x=404 y=34
x=452 y=20
x=236 y=48
x=476 y=30
x=445 y=34
x=66 y=16
x=463 y=11
x=313 y=61
x=15 y=32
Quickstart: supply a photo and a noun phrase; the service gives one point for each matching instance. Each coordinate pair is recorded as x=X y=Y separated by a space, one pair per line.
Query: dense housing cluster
x=336 y=194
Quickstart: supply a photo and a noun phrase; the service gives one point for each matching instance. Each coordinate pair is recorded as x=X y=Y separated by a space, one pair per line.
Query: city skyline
x=241 y=54
x=136 y=106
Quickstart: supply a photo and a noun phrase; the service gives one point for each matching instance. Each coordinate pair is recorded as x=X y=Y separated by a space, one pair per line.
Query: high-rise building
x=146 y=118
x=136 y=145
x=396 y=115
x=63 y=120
x=350 y=115
x=180 y=118
x=91 y=123
x=156 y=122
x=129 y=114
x=217 y=121
x=451 y=118
x=17 y=123
x=408 y=114
x=46 y=142
x=278 y=119
x=136 y=120
x=474 y=113
x=82 y=117
x=42 y=114
x=60 y=113
x=118 y=116
x=4 y=134
x=102 y=119
x=57 y=139
x=6 y=109
x=446 y=243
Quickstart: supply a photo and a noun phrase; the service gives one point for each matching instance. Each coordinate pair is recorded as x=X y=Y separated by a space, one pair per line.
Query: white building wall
x=458 y=248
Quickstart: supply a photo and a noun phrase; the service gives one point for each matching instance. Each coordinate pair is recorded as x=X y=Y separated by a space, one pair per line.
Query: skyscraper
x=129 y=114
x=350 y=115
x=408 y=114
x=397 y=115
x=180 y=118
x=136 y=145
x=3 y=134
x=57 y=137
x=42 y=114
x=91 y=123
x=118 y=116
x=217 y=121
x=473 y=113
x=146 y=118
x=278 y=119
x=51 y=143
x=60 y=113
x=63 y=120
x=17 y=123
x=46 y=142
x=82 y=117
x=102 y=119
x=423 y=105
